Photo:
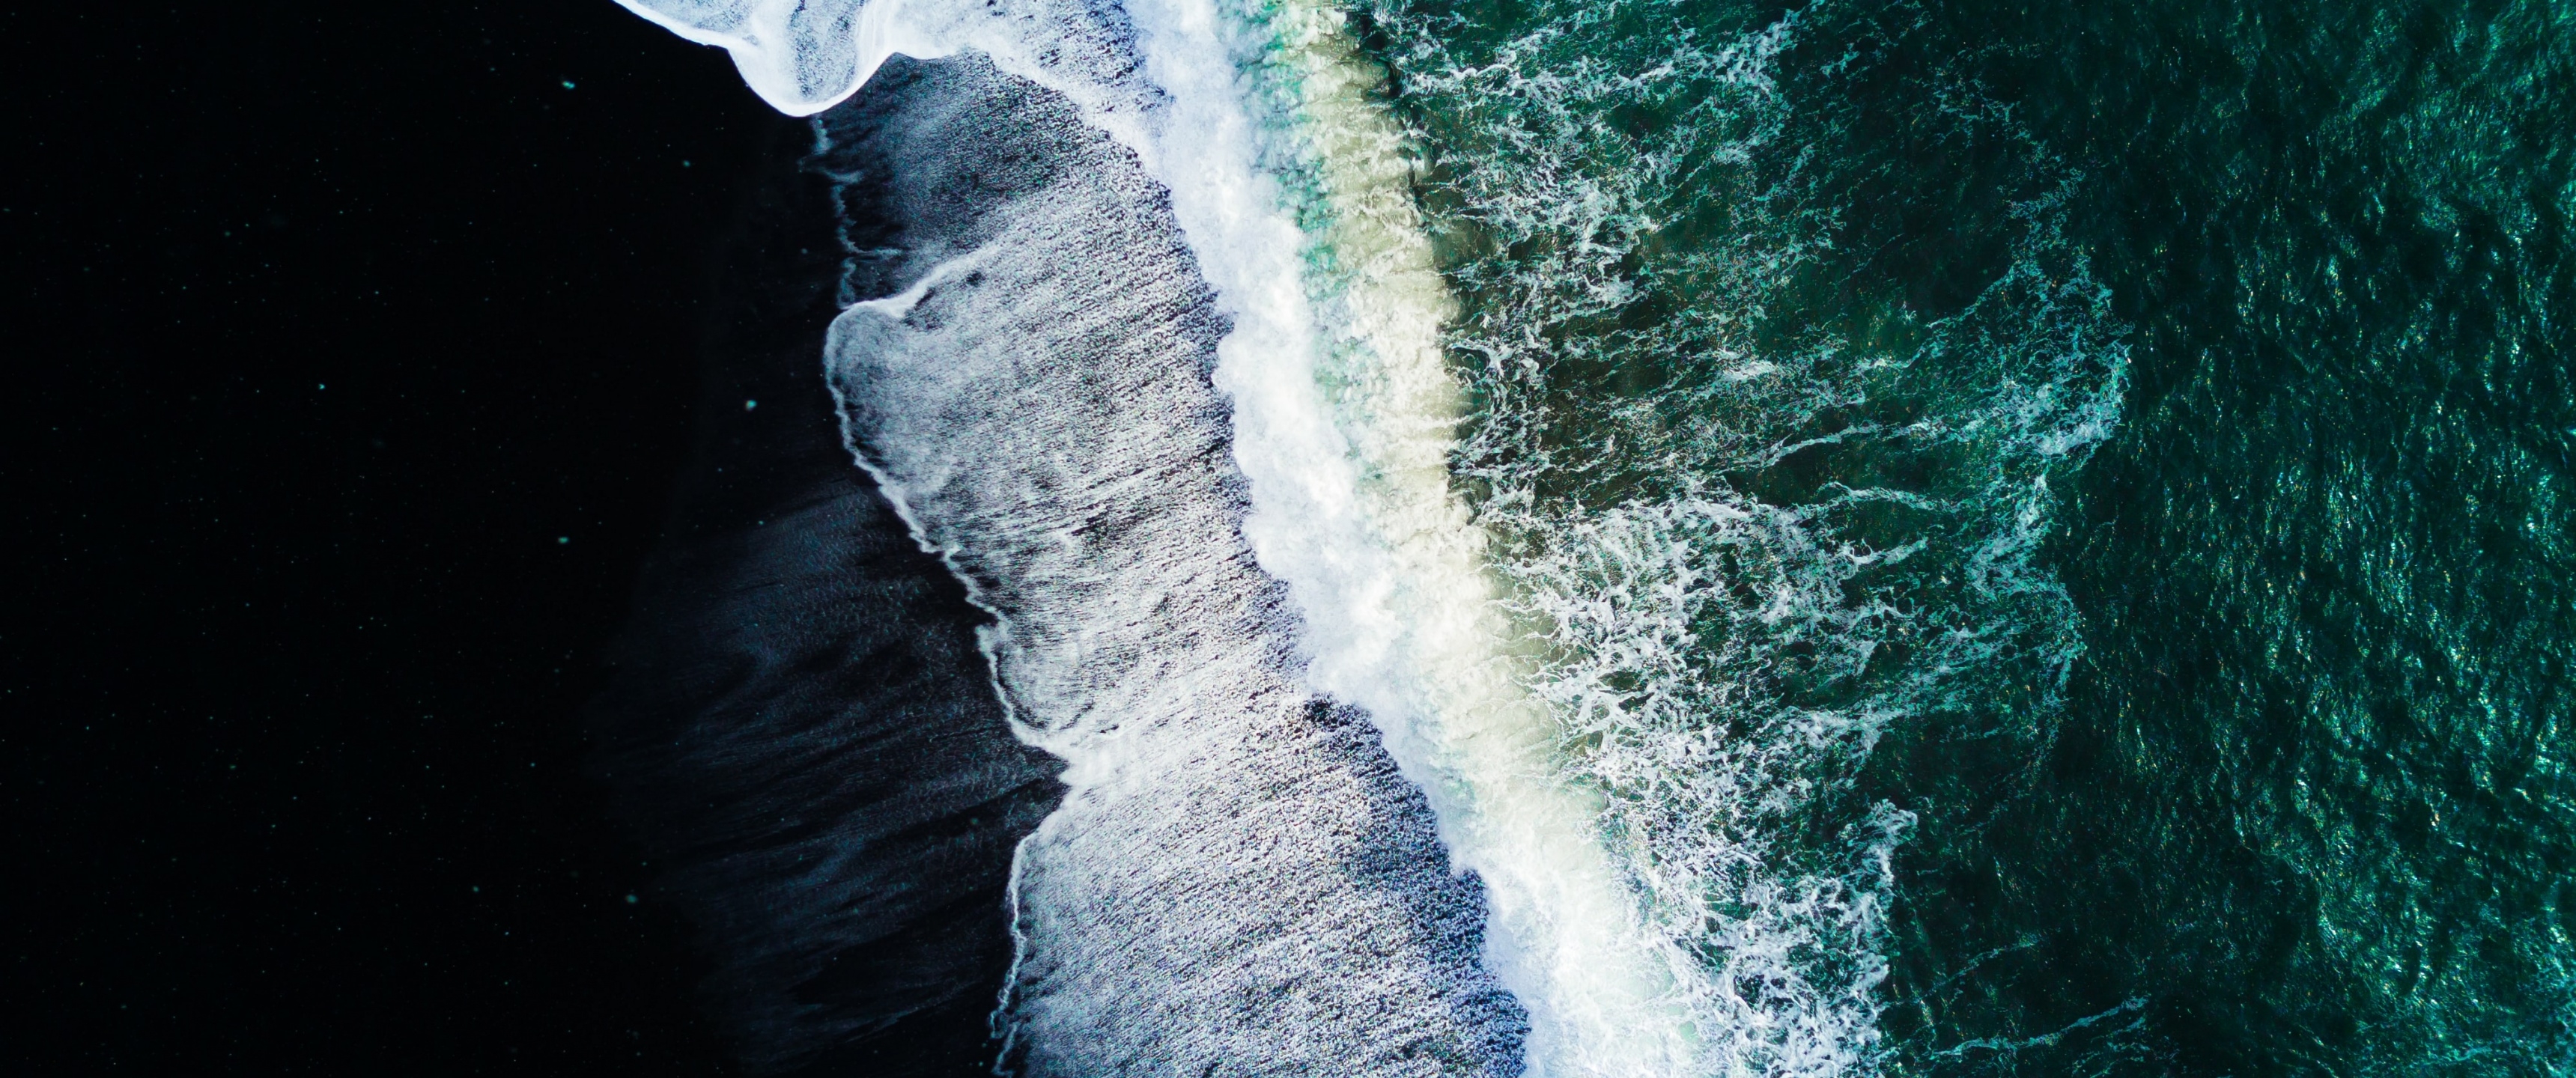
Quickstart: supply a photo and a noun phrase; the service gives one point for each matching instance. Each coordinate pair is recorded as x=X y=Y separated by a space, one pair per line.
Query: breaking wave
x=1509 y=387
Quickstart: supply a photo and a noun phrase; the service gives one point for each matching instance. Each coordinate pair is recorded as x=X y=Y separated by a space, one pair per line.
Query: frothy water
x=1343 y=436
x=1755 y=509
x=1629 y=685
x=1914 y=536
x=1703 y=541
x=1237 y=873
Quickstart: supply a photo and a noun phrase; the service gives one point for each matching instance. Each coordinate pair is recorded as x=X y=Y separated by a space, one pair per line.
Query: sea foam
x=1290 y=188
x=1238 y=879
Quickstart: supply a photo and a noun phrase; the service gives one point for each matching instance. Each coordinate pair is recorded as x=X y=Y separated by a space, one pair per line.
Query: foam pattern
x=1238 y=881
x=1263 y=128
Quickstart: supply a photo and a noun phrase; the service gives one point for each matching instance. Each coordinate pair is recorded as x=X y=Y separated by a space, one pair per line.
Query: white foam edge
x=1563 y=936
x=763 y=51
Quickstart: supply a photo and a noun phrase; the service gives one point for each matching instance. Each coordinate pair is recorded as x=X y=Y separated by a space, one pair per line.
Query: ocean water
x=1592 y=537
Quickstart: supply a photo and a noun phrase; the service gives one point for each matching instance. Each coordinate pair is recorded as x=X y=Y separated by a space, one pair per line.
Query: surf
x=1534 y=657
x=1343 y=437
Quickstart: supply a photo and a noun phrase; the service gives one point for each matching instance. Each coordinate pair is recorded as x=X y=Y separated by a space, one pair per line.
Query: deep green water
x=2052 y=524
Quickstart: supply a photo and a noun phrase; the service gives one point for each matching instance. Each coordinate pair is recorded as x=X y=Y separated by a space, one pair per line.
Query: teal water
x=2048 y=525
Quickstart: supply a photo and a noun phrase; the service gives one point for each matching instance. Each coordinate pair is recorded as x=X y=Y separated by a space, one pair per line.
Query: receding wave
x=1237 y=872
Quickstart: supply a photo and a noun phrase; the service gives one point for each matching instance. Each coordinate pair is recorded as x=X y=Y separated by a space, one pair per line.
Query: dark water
x=2310 y=799
x=2131 y=448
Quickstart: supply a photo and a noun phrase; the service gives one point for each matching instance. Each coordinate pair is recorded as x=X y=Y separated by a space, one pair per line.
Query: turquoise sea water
x=2050 y=525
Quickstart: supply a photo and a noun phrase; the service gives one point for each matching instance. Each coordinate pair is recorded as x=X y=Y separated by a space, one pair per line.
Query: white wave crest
x=1291 y=187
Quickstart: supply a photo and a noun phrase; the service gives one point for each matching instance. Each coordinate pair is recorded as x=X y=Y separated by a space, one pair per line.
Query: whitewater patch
x=1290 y=190
x=1238 y=880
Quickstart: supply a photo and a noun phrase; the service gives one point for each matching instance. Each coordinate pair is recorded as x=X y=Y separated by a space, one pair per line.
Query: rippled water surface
x=2048 y=524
